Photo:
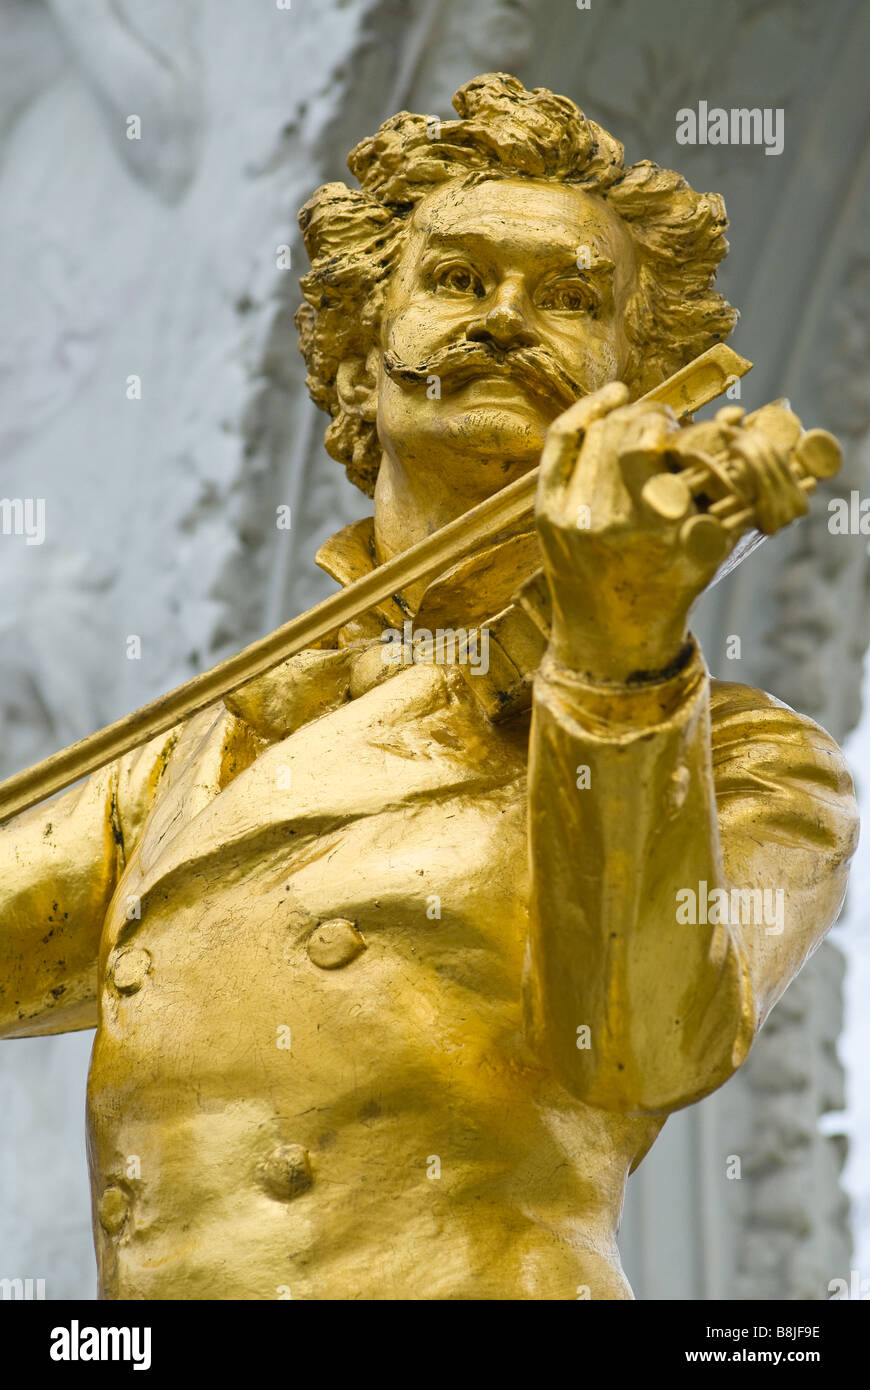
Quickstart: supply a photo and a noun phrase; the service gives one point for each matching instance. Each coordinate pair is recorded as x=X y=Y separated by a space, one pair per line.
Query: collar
x=348 y=555
x=467 y=594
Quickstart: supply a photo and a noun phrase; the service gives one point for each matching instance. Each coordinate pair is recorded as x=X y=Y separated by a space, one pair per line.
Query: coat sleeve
x=781 y=783
x=689 y=849
x=59 y=865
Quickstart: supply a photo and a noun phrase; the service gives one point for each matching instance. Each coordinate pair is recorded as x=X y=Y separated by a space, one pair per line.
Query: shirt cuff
x=643 y=703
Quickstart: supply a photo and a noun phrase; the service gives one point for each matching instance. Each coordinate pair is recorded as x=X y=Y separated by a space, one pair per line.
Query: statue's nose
x=503 y=325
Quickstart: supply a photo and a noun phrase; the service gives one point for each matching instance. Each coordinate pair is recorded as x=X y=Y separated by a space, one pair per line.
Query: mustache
x=459 y=362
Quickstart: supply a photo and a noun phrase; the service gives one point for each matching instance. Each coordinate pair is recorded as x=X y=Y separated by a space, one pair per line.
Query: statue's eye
x=571 y=296
x=459 y=279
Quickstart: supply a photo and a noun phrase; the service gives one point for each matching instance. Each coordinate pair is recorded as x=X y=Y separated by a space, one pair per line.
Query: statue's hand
x=623 y=578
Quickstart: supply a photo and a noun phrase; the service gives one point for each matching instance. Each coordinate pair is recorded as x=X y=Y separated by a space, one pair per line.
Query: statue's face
x=509 y=266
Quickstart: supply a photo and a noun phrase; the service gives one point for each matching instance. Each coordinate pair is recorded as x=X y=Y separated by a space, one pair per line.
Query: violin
x=716 y=466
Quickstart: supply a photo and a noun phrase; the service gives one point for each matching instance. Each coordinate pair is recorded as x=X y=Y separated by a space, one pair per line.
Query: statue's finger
x=618 y=456
x=565 y=437
x=642 y=448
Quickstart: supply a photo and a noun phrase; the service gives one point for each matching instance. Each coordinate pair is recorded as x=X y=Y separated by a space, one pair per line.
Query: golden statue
x=401 y=954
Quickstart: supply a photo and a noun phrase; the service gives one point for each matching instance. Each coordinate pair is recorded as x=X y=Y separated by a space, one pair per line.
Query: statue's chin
x=502 y=439
x=502 y=430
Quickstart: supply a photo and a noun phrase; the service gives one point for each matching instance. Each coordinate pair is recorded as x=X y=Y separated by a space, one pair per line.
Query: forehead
x=534 y=214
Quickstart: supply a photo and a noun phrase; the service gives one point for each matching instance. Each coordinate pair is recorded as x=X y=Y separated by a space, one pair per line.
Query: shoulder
x=781 y=762
x=738 y=712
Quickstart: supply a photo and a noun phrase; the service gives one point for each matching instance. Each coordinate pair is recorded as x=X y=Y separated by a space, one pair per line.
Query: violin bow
x=694 y=386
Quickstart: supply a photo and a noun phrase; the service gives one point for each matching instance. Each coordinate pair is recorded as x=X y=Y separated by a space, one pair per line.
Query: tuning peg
x=705 y=538
x=818 y=454
x=668 y=496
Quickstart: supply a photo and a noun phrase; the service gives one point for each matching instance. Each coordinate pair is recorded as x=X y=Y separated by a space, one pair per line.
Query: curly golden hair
x=354 y=237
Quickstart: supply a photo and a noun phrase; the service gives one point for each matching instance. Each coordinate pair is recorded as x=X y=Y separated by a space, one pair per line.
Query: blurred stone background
x=156 y=258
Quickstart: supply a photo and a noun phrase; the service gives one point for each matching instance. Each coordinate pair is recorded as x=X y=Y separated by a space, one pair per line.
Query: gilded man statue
x=393 y=988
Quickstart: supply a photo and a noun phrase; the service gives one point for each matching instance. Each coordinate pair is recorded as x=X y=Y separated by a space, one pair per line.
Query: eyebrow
x=601 y=265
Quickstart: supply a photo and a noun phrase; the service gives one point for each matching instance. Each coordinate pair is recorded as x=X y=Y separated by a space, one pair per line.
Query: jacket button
x=335 y=943
x=114 y=1205
x=129 y=969
x=286 y=1172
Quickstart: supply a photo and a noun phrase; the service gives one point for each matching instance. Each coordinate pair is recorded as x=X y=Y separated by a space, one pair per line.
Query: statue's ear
x=356 y=383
